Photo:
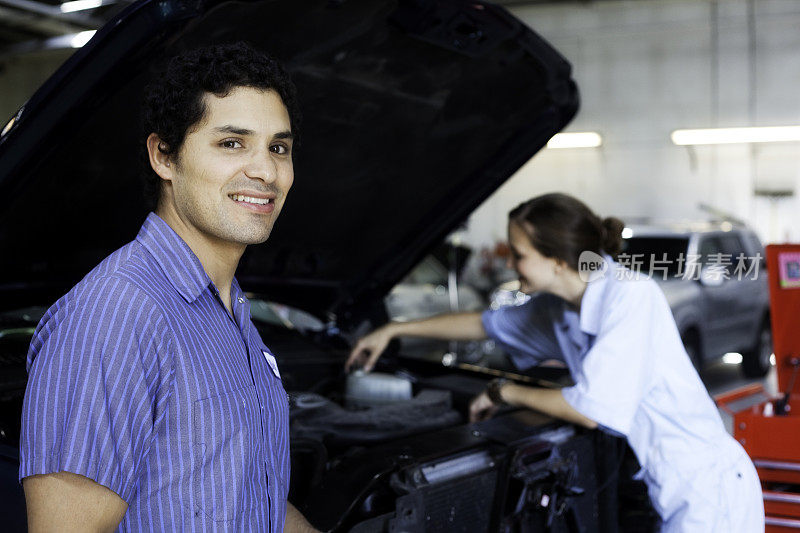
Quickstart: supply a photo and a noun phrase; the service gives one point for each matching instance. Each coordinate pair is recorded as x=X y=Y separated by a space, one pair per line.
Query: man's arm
x=67 y=502
x=296 y=522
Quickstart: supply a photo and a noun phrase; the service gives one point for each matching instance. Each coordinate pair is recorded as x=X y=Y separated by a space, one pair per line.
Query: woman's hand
x=449 y=326
x=369 y=348
x=481 y=408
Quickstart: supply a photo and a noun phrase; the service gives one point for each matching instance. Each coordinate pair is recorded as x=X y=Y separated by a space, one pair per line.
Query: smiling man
x=152 y=402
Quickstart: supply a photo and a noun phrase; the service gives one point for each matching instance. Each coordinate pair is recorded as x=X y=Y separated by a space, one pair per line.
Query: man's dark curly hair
x=173 y=100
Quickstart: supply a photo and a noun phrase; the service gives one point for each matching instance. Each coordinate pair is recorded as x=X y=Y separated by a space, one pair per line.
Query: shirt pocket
x=228 y=477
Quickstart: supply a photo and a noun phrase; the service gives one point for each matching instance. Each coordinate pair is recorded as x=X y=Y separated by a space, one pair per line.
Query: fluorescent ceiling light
x=80 y=39
x=736 y=135
x=80 y=5
x=586 y=139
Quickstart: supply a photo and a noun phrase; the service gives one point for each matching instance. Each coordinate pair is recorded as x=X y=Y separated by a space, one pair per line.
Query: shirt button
x=241 y=300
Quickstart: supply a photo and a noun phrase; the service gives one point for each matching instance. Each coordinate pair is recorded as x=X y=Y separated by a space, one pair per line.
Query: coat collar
x=181 y=266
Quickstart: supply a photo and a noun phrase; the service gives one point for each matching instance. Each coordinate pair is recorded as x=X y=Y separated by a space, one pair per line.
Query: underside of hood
x=414 y=113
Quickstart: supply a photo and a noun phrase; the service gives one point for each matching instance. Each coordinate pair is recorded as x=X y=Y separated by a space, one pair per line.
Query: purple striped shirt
x=142 y=381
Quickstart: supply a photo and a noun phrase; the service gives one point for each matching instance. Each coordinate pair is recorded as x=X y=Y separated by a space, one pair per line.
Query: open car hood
x=414 y=112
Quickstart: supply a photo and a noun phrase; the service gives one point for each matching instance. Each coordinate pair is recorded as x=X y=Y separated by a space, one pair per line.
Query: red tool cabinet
x=770 y=430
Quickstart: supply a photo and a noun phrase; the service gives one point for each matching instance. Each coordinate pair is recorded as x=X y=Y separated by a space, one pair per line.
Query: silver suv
x=714 y=277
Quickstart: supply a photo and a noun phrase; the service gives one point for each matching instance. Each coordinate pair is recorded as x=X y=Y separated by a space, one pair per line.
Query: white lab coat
x=633 y=377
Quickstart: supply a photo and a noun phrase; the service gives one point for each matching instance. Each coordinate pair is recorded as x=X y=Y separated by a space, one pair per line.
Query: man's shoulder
x=124 y=277
x=132 y=263
x=109 y=304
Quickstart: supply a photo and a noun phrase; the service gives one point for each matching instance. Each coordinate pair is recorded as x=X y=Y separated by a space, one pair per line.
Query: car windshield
x=428 y=271
x=655 y=254
x=285 y=316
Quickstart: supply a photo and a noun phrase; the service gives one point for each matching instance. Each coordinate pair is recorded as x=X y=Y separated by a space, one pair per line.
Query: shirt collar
x=591 y=302
x=181 y=266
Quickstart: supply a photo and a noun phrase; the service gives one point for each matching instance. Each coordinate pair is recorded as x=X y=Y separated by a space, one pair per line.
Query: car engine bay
x=392 y=450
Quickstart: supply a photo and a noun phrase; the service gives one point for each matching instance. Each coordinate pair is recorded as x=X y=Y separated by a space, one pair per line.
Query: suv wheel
x=756 y=362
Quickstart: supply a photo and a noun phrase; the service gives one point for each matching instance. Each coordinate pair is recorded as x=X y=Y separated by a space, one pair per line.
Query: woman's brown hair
x=562 y=227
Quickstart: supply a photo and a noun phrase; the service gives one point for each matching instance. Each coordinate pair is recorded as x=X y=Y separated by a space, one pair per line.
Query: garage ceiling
x=28 y=25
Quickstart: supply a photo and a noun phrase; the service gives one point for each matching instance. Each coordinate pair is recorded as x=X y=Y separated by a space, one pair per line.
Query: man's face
x=231 y=176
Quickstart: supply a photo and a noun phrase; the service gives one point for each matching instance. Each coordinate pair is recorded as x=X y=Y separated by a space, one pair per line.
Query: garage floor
x=723 y=377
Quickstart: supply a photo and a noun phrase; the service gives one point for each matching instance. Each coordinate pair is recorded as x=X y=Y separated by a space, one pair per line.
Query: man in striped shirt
x=152 y=402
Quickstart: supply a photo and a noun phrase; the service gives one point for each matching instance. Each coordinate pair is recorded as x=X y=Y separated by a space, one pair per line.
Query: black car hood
x=414 y=113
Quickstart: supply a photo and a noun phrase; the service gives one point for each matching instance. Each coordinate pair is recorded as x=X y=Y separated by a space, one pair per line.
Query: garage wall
x=21 y=75
x=647 y=68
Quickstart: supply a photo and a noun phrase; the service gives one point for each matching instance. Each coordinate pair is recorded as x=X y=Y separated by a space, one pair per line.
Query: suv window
x=708 y=249
x=732 y=245
x=754 y=248
x=721 y=249
x=654 y=250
